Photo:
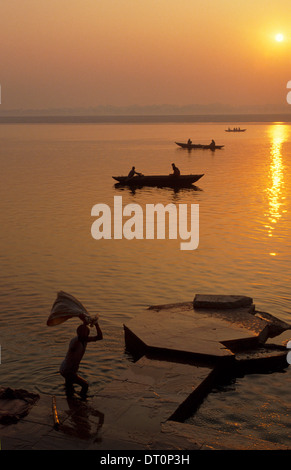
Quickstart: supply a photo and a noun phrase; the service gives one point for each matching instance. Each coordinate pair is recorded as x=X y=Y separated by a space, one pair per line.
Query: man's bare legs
x=76 y=379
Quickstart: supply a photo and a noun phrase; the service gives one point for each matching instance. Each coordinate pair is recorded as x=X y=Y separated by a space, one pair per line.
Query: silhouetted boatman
x=176 y=171
x=133 y=172
x=77 y=347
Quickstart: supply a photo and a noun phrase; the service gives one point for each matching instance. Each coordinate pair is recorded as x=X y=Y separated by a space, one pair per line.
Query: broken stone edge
x=273 y=357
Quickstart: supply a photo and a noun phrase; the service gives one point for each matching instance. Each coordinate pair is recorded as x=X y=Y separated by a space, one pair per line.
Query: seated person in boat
x=189 y=142
x=176 y=171
x=133 y=172
x=212 y=143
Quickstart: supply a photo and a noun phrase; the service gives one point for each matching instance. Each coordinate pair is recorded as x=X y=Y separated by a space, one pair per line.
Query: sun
x=279 y=37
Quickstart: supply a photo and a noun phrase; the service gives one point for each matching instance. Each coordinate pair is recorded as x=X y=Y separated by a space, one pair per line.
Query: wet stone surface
x=180 y=350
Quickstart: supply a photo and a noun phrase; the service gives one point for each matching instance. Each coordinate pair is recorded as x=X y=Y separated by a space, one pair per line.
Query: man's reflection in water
x=85 y=421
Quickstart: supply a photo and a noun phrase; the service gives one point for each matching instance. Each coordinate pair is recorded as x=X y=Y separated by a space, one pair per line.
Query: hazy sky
x=79 y=53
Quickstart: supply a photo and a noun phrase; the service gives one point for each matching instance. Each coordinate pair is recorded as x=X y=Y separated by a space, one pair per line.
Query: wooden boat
x=199 y=146
x=158 y=180
x=235 y=130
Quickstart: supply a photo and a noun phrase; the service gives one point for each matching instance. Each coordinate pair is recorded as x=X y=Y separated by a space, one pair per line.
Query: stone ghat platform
x=212 y=330
x=178 y=353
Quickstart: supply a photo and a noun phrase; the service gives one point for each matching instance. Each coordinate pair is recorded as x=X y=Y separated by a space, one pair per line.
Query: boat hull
x=158 y=180
x=199 y=146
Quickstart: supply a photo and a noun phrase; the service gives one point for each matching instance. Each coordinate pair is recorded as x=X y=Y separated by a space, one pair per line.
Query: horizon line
x=145 y=118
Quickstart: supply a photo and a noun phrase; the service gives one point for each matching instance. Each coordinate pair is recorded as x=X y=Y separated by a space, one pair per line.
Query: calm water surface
x=52 y=175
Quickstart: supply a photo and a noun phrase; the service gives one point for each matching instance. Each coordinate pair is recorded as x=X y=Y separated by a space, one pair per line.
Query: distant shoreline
x=144 y=119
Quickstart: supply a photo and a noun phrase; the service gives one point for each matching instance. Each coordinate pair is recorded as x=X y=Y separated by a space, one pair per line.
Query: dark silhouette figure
x=133 y=172
x=212 y=145
x=176 y=171
x=77 y=347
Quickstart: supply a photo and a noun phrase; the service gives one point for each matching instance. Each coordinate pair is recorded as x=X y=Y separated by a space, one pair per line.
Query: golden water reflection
x=275 y=189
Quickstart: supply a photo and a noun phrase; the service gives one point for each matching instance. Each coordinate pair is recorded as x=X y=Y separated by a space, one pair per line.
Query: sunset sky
x=83 y=53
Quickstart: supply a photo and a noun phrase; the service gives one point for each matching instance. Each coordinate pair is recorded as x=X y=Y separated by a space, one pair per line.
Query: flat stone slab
x=127 y=414
x=149 y=393
x=222 y=302
x=263 y=359
x=184 y=331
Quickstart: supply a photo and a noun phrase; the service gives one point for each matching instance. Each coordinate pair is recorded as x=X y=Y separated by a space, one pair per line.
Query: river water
x=51 y=177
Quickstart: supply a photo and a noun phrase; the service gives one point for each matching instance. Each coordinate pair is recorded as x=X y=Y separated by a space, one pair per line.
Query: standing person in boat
x=77 y=347
x=133 y=172
x=176 y=171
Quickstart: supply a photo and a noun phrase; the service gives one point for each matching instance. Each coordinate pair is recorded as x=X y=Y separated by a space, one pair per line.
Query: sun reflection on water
x=275 y=189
